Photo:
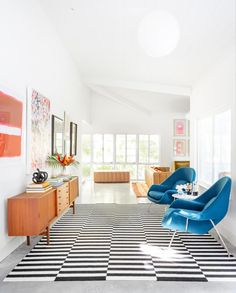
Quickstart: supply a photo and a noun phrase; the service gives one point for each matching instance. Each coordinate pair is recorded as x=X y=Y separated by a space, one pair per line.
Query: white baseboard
x=10 y=246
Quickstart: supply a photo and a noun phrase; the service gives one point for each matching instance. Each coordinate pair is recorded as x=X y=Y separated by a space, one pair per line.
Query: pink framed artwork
x=10 y=126
x=179 y=127
x=179 y=147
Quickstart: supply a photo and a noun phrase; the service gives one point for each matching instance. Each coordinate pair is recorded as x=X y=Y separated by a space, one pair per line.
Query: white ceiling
x=102 y=38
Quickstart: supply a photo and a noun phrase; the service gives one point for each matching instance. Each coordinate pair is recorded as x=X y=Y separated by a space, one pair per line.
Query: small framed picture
x=57 y=135
x=179 y=147
x=73 y=139
x=179 y=127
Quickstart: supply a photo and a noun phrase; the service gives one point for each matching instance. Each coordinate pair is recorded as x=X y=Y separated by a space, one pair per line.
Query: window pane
x=108 y=148
x=141 y=172
x=120 y=148
x=121 y=167
x=154 y=149
x=102 y=167
x=205 y=150
x=86 y=169
x=97 y=148
x=143 y=148
x=222 y=144
x=133 y=171
x=86 y=148
x=131 y=148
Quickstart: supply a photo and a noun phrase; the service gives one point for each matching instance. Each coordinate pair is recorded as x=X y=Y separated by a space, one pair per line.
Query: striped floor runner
x=122 y=242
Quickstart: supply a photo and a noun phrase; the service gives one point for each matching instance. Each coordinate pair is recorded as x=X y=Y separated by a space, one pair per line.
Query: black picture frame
x=73 y=139
x=57 y=135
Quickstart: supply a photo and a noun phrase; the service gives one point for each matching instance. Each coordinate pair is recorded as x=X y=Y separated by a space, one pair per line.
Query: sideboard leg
x=48 y=235
x=73 y=207
x=28 y=240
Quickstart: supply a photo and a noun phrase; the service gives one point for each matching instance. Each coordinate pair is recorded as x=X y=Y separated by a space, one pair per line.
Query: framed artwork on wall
x=179 y=147
x=73 y=139
x=38 y=130
x=57 y=135
x=11 y=112
x=66 y=134
x=179 y=127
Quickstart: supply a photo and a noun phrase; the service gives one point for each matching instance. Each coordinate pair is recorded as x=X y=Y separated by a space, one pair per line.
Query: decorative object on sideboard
x=64 y=161
x=39 y=176
x=57 y=135
x=73 y=139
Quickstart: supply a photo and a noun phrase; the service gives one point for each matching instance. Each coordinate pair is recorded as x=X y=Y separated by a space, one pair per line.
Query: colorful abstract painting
x=38 y=129
x=10 y=126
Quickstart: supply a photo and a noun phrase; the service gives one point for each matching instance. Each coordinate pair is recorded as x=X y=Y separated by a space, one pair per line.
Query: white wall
x=109 y=116
x=31 y=54
x=214 y=91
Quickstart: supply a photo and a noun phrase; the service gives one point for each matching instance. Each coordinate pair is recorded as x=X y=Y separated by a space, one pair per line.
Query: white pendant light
x=158 y=33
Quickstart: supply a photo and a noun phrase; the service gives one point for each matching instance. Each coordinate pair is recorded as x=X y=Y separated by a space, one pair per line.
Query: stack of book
x=41 y=187
x=55 y=182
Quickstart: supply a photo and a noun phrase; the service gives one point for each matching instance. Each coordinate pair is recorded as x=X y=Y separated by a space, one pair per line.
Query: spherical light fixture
x=158 y=33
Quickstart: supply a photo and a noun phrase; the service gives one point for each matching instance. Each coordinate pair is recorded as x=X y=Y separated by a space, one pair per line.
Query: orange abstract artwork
x=10 y=126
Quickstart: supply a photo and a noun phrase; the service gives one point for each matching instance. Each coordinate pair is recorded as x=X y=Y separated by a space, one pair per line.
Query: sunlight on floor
x=164 y=253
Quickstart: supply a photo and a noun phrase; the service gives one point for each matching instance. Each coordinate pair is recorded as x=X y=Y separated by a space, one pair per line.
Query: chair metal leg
x=149 y=207
x=222 y=241
x=186 y=227
x=172 y=238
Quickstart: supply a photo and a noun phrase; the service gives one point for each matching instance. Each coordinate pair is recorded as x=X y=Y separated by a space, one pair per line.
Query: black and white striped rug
x=123 y=242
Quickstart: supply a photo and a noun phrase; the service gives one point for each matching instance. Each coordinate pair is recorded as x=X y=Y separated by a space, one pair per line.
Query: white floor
x=120 y=193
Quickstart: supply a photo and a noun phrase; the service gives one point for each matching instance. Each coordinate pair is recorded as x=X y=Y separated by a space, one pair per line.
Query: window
x=154 y=148
x=131 y=152
x=143 y=148
x=214 y=147
x=98 y=148
x=108 y=148
x=131 y=148
x=222 y=144
x=120 y=148
x=86 y=155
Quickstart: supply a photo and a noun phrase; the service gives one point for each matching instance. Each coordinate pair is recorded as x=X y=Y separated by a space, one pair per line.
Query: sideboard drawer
x=62 y=198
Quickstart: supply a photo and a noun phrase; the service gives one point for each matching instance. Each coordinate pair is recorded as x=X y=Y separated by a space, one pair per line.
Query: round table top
x=184 y=196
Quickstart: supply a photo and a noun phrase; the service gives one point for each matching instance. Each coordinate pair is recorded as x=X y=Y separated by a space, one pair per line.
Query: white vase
x=65 y=171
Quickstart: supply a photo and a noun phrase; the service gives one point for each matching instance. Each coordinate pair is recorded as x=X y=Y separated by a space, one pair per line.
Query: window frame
x=212 y=116
x=93 y=164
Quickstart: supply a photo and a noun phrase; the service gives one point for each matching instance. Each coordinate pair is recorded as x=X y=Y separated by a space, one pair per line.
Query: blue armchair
x=201 y=214
x=162 y=193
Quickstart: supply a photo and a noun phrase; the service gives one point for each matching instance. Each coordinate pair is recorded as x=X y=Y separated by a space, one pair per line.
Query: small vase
x=55 y=172
x=65 y=171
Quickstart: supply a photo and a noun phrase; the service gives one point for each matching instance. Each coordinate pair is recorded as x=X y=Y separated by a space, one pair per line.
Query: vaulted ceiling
x=101 y=36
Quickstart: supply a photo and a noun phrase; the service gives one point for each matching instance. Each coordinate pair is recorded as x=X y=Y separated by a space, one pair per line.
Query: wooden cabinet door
x=73 y=189
x=52 y=206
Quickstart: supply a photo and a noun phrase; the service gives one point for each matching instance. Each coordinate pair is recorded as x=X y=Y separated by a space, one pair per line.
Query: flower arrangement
x=55 y=161
x=184 y=188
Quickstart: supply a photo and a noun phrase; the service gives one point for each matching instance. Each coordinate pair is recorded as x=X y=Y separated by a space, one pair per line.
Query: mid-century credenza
x=31 y=214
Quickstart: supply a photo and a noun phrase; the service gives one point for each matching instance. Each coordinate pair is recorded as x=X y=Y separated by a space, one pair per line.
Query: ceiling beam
x=144 y=86
x=118 y=99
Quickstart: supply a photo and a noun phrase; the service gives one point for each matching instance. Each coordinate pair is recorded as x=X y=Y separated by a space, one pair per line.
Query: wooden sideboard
x=31 y=214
